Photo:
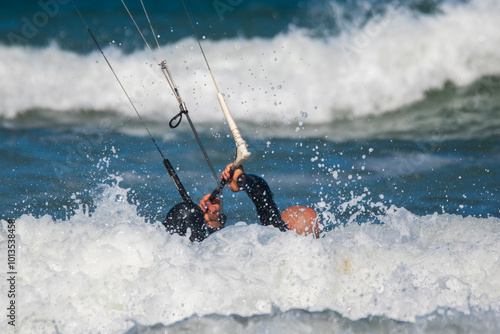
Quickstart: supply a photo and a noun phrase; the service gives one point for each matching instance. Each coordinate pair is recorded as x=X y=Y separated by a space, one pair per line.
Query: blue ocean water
x=382 y=115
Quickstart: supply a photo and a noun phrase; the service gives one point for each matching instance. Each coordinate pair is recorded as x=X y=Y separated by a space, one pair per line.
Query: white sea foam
x=386 y=64
x=97 y=273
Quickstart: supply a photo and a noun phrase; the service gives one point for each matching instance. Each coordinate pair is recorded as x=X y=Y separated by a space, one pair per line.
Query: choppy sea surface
x=384 y=116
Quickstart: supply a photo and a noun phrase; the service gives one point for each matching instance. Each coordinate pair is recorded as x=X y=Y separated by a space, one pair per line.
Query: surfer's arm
x=259 y=192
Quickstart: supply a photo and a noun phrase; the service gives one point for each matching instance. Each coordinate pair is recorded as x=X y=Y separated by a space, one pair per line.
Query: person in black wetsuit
x=206 y=219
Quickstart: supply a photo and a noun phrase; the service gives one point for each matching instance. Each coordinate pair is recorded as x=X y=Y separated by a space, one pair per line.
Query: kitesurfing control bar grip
x=221 y=185
x=217 y=190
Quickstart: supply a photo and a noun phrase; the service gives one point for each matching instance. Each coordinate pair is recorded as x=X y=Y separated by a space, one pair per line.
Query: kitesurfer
x=206 y=219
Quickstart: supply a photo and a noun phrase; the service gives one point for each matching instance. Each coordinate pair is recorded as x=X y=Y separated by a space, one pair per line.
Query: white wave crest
x=388 y=63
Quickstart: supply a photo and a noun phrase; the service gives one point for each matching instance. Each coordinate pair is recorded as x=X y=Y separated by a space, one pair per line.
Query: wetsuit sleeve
x=262 y=197
x=187 y=218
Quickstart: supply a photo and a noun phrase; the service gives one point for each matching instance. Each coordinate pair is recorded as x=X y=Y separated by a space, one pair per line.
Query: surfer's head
x=302 y=220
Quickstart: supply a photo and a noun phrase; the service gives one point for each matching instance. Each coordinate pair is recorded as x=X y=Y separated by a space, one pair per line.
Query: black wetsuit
x=189 y=216
x=185 y=217
x=262 y=197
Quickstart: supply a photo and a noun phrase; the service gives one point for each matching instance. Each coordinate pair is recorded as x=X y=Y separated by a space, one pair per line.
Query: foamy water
x=422 y=265
x=97 y=273
x=388 y=63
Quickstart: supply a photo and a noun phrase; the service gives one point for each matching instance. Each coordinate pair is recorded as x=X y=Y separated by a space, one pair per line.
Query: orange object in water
x=302 y=220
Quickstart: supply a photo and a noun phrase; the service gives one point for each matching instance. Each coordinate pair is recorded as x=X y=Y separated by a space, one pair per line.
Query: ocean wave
x=101 y=270
x=387 y=64
x=301 y=321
